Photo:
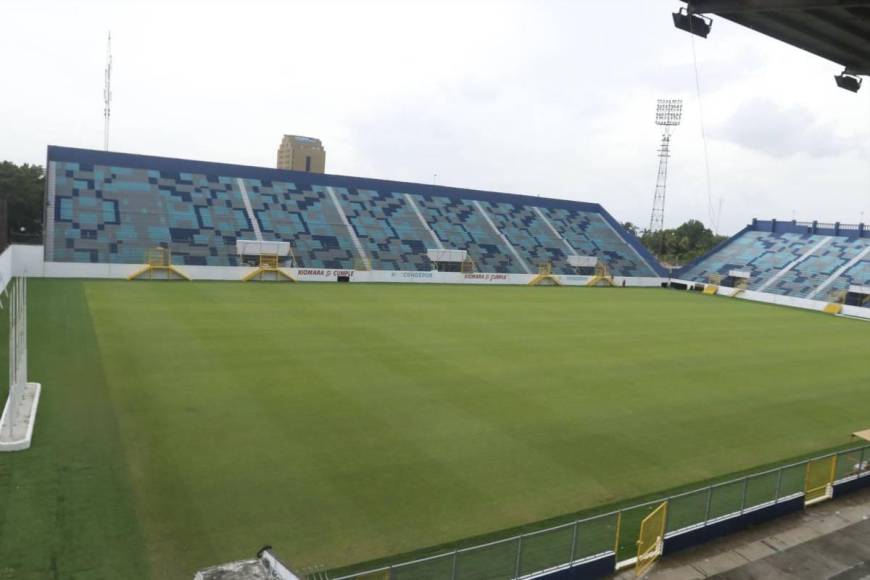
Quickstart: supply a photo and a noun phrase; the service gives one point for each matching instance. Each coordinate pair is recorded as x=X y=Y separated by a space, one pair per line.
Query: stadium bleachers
x=801 y=259
x=111 y=207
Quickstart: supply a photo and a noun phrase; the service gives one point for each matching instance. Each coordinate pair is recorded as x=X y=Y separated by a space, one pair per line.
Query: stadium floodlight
x=848 y=82
x=669 y=112
x=693 y=23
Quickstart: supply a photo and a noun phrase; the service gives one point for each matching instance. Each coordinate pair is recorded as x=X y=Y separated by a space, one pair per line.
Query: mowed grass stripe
x=66 y=506
x=341 y=423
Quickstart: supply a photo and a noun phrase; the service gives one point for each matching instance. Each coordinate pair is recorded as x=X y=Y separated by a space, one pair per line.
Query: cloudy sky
x=552 y=98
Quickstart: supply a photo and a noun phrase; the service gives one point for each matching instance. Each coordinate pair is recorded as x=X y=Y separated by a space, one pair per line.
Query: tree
x=628 y=226
x=23 y=186
x=682 y=244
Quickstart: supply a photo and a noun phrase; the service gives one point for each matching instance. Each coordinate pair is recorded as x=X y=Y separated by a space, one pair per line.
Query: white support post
x=12 y=404
x=19 y=413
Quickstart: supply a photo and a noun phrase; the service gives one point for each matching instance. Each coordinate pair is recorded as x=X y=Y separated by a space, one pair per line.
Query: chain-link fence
x=615 y=534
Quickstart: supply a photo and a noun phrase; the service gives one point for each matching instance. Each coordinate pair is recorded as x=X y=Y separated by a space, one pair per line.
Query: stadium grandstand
x=111 y=208
x=801 y=259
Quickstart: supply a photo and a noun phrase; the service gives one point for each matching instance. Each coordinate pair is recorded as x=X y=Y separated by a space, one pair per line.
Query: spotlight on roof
x=694 y=23
x=848 y=82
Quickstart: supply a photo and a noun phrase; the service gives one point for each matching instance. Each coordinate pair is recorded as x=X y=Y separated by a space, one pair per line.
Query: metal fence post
x=667 y=517
x=455 y=562
x=743 y=500
x=574 y=543
x=707 y=506
x=778 y=485
x=519 y=557
x=618 y=531
x=861 y=461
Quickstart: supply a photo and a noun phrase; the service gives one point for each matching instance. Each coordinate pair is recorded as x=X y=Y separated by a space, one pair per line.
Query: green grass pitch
x=187 y=424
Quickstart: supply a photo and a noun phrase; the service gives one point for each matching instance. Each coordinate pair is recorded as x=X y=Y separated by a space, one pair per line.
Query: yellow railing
x=819 y=483
x=614 y=534
x=651 y=540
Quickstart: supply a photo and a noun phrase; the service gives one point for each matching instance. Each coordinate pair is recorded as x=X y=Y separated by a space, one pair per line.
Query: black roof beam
x=859 y=17
x=839 y=23
x=808 y=42
x=831 y=47
x=727 y=7
x=824 y=33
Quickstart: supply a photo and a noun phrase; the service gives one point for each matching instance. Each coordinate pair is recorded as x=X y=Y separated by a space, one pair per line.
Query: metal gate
x=651 y=540
x=819 y=483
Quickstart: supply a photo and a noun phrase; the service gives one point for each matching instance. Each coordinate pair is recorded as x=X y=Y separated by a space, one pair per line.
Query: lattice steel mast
x=669 y=112
x=107 y=93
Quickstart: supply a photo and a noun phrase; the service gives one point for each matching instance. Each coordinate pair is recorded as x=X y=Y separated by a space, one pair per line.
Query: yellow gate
x=820 y=479
x=652 y=539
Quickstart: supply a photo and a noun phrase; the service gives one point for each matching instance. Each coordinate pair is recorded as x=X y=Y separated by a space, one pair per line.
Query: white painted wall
x=768 y=298
x=29 y=260
x=857 y=311
x=5 y=268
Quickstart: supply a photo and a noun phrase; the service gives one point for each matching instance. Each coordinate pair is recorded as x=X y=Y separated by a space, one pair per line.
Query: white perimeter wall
x=28 y=260
x=20 y=260
x=767 y=298
x=6 y=268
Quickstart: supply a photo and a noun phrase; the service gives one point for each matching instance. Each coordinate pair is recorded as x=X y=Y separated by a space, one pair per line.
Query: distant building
x=298 y=153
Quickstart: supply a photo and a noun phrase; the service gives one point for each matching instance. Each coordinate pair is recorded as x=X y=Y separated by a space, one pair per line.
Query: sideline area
x=825 y=541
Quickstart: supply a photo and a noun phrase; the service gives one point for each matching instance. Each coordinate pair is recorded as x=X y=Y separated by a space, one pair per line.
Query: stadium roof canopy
x=838 y=30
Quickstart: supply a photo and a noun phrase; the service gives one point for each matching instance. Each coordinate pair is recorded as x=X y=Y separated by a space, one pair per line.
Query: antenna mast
x=107 y=93
x=669 y=112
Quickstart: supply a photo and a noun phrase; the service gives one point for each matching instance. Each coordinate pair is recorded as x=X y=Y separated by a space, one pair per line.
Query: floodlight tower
x=669 y=112
x=107 y=93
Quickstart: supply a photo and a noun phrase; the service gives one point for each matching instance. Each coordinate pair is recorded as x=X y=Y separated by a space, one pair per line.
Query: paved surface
x=843 y=555
x=827 y=541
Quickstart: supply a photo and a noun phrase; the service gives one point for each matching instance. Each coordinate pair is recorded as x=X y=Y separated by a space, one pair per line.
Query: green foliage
x=628 y=226
x=187 y=424
x=24 y=187
x=680 y=245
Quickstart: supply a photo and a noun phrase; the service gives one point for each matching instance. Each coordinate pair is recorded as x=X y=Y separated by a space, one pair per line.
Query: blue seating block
x=106 y=211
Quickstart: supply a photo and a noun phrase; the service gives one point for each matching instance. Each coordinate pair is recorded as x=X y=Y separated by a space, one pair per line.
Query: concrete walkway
x=827 y=541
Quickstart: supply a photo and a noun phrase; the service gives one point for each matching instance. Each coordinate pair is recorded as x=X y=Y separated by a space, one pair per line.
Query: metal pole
x=12 y=403
x=667 y=518
x=743 y=499
x=24 y=334
x=455 y=563
x=618 y=531
x=707 y=507
x=22 y=345
x=9 y=401
x=778 y=485
x=18 y=335
x=574 y=543
x=13 y=386
x=519 y=557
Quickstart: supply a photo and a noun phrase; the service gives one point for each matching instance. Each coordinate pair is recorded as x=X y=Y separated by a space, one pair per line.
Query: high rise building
x=298 y=153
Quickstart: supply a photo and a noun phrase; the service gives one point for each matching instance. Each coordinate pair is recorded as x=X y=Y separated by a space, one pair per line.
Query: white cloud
x=541 y=97
x=761 y=125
